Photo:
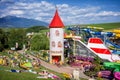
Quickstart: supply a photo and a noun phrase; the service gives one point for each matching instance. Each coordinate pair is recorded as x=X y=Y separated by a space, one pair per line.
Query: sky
x=70 y=11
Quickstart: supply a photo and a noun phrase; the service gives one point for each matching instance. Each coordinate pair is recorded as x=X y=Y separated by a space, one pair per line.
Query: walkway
x=62 y=69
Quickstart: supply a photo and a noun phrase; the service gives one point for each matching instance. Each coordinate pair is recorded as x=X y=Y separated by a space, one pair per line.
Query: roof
x=56 y=21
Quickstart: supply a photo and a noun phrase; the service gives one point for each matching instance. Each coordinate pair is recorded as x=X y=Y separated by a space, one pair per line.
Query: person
x=99 y=74
x=58 y=63
x=5 y=61
x=49 y=75
x=38 y=61
x=91 y=78
x=82 y=68
x=44 y=73
x=8 y=52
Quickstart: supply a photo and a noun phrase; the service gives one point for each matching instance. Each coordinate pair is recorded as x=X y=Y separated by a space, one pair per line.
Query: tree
x=36 y=28
x=17 y=36
x=3 y=40
x=39 y=42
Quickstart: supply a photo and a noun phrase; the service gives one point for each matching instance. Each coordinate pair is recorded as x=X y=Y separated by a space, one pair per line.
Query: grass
x=6 y=75
x=4 y=53
x=58 y=74
x=106 y=26
x=17 y=76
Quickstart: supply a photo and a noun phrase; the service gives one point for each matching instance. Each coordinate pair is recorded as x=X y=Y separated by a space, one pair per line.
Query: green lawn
x=6 y=75
x=106 y=26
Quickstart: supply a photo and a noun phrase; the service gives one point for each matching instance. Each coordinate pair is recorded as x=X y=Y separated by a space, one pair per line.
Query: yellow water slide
x=117 y=32
x=92 y=27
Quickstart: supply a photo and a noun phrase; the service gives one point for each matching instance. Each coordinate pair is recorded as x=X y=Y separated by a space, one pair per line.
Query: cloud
x=6 y=1
x=16 y=12
x=44 y=11
x=108 y=13
x=102 y=14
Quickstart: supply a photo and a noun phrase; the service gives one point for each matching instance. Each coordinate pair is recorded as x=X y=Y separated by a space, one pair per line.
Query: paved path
x=66 y=69
x=62 y=69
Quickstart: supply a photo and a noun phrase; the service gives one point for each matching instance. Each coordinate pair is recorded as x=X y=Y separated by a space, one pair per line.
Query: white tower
x=56 y=39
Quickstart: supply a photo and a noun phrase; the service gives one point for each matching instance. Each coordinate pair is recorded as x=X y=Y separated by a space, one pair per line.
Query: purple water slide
x=117 y=75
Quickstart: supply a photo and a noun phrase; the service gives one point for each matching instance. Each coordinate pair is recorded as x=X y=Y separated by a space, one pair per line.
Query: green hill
x=106 y=26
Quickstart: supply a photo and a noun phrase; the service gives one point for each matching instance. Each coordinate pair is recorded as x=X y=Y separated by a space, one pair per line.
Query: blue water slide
x=115 y=45
x=88 y=31
x=110 y=34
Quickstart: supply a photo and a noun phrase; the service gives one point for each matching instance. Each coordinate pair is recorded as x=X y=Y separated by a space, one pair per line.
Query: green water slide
x=112 y=65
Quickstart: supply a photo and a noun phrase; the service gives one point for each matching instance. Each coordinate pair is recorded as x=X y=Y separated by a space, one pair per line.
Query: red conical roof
x=56 y=21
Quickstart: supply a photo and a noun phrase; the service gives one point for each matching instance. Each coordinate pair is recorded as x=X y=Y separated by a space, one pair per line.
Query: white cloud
x=16 y=12
x=63 y=6
x=5 y=0
x=108 y=13
x=38 y=18
x=44 y=11
x=102 y=14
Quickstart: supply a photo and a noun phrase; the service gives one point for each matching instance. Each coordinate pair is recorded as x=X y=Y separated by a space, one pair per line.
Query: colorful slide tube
x=105 y=74
x=117 y=75
x=112 y=65
x=115 y=45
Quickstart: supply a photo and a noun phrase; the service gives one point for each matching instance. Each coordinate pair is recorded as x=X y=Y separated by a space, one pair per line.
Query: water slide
x=115 y=45
x=115 y=66
x=95 y=47
x=115 y=49
x=117 y=32
x=117 y=75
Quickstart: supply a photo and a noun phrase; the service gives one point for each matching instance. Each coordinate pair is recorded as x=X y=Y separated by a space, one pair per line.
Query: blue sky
x=70 y=11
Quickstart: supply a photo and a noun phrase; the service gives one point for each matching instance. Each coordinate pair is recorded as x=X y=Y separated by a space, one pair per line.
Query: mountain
x=19 y=22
